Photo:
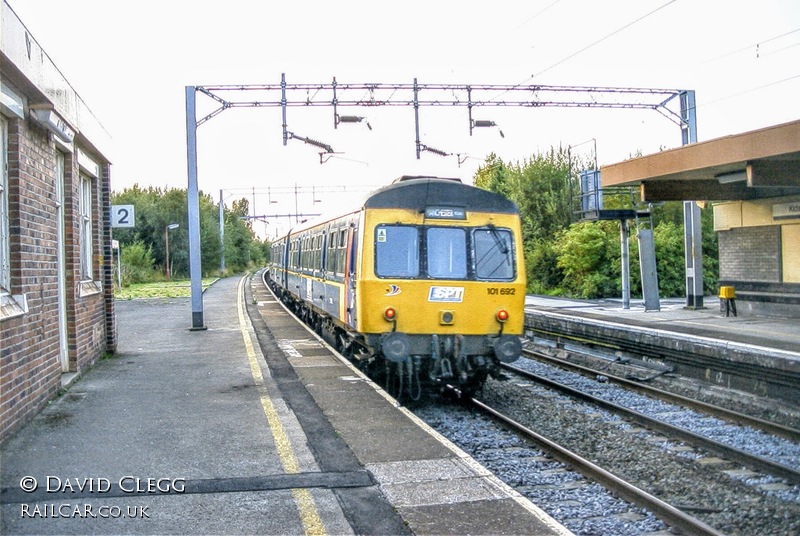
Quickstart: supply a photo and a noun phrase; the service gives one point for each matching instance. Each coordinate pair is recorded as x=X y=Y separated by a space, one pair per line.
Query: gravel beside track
x=730 y=498
x=756 y=442
x=583 y=507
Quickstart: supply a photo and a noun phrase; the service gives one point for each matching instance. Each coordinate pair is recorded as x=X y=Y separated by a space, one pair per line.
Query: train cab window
x=494 y=254
x=446 y=252
x=396 y=251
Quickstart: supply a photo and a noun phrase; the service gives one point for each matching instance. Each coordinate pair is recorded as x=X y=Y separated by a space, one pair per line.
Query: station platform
x=758 y=354
x=250 y=426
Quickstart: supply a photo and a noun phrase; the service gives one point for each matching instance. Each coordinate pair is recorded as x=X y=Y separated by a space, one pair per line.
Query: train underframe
x=412 y=366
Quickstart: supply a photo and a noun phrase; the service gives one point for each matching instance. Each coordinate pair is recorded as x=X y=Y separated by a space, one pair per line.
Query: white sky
x=130 y=62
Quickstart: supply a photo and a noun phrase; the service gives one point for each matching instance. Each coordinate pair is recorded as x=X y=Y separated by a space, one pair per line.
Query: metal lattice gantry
x=674 y=104
x=416 y=95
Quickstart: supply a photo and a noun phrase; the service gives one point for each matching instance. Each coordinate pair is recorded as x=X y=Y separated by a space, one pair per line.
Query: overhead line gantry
x=336 y=95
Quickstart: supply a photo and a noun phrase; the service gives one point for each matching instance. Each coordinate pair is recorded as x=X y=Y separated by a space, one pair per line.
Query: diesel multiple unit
x=422 y=282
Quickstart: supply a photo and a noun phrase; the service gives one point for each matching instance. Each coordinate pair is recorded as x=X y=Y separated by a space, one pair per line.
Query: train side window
x=297 y=252
x=494 y=254
x=446 y=252
x=315 y=253
x=341 y=251
x=396 y=251
x=331 y=253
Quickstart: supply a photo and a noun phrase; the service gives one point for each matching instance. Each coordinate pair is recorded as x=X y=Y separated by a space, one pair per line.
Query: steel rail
x=717 y=411
x=756 y=462
x=664 y=511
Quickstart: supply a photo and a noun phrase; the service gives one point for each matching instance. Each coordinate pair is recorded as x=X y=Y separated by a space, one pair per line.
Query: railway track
x=759 y=463
x=712 y=486
x=727 y=414
x=669 y=514
x=690 y=491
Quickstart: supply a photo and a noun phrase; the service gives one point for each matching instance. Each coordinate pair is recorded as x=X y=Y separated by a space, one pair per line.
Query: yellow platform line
x=312 y=524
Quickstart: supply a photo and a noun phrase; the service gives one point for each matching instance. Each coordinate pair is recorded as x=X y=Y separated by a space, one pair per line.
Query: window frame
x=465 y=244
x=86 y=226
x=511 y=255
x=471 y=259
x=5 y=216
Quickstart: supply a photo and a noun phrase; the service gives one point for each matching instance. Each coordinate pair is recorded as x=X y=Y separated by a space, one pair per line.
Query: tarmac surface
x=251 y=426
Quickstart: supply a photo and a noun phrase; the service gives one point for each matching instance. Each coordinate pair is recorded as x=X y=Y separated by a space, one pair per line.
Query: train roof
x=419 y=192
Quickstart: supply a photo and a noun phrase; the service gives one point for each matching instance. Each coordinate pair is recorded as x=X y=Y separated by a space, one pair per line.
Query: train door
x=350 y=274
x=284 y=268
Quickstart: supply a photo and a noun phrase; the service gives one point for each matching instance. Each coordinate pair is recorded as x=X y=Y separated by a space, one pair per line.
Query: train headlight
x=390 y=314
x=446 y=318
x=502 y=315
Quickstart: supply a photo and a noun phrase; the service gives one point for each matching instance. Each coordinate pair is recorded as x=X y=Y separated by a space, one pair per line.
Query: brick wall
x=30 y=363
x=750 y=254
x=29 y=367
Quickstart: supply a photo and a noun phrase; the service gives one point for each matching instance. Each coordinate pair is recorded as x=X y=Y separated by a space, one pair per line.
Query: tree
x=542 y=188
x=583 y=259
x=155 y=209
x=587 y=254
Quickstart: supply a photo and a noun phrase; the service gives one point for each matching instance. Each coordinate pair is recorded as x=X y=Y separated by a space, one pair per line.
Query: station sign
x=122 y=216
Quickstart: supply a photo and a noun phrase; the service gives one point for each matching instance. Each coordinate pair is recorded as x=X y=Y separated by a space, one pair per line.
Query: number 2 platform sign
x=122 y=216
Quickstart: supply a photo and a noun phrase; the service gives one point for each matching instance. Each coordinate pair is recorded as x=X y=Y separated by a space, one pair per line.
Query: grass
x=160 y=289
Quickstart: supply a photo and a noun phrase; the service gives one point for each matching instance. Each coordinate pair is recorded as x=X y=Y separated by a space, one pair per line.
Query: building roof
x=753 y=165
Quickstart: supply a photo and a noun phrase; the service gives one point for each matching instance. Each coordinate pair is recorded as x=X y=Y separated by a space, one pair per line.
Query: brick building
x=56 y=288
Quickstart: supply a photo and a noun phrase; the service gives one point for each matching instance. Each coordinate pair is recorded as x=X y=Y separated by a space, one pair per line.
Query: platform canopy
x=753 y=165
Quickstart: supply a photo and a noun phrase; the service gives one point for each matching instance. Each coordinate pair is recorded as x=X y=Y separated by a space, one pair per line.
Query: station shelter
x=753 y=182
x=56 y=287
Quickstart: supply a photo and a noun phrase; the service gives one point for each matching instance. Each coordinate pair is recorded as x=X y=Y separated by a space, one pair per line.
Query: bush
x=670 y=259
x=138 y=265
x=587 y=254
x=541 y=263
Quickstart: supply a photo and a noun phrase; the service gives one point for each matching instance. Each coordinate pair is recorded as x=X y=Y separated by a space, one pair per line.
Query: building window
x=86 y=184
x=5 y=246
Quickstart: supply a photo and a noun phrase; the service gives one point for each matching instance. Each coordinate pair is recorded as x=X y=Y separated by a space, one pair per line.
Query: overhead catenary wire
x=751 y=90
x=750 y=46
x=584 y=49
x=590 y=45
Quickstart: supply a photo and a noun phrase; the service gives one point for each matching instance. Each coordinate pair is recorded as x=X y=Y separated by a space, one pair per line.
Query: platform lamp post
x=166 y=246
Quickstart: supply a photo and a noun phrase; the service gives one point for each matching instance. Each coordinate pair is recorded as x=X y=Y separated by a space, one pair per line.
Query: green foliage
x=541 y=264
x=586 y=256
x=670 y=262
x=137 y=263
x=541 y=188
x=583 y=259
x=155 y=209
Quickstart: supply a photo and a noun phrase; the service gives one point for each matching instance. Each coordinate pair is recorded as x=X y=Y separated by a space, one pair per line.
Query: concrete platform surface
x=251 y=426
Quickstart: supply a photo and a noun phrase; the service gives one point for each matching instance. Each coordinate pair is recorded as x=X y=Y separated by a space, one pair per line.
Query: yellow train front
x=440 y=288
x=421 y=283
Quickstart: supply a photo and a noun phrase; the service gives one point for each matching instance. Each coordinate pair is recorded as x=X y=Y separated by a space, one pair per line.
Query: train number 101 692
x=503 y=291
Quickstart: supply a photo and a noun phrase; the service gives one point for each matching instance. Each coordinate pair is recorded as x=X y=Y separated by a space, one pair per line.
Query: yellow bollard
x=728 y=295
